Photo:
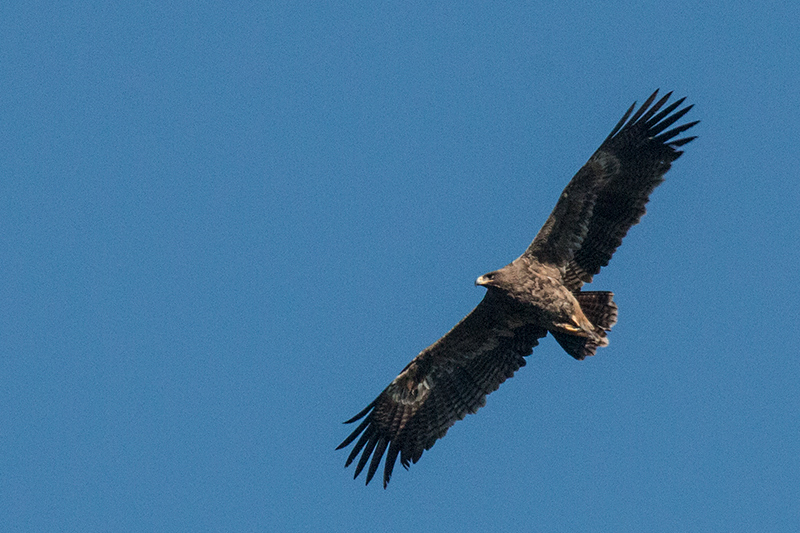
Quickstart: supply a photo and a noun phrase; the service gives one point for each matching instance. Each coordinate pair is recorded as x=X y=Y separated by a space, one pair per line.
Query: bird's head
x=492 y=279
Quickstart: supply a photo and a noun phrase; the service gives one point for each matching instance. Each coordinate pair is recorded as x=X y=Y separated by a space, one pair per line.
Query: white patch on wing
x=407 y=389
x=608 y=162
x=404 y=391
x=514 y=322
x=490 y=344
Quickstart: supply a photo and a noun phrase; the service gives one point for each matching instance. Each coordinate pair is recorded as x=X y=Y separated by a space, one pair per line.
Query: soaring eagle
x=539 y=292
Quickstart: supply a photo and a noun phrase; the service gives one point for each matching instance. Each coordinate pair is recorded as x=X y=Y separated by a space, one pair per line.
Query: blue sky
x=227 y=228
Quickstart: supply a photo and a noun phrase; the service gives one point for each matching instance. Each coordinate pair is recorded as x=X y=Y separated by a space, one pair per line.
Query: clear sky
x=227 y=227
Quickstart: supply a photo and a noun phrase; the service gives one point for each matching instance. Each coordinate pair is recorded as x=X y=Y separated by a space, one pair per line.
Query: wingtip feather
x=361 y=413
x=362 y=462
x=376 y=458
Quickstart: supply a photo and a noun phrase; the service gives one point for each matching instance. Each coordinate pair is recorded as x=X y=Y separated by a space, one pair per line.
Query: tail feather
x=577 y=347
x=600 y=309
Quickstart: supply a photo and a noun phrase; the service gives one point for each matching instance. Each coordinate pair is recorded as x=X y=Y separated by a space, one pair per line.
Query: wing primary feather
x=652 y=111
x=635 y=118
x=658 y=128
x=360 y=444
x=666 y=111
x=362 y=413
x=376 y=458
x=391 y=458
x=354 y=434
x=681 y=142
x=365 y=456
x=667 y=135
x=621 y=122
x=405 y=458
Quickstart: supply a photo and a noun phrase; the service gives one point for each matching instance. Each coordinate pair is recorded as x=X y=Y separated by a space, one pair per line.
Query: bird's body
x=539 y=292
x=543 y=295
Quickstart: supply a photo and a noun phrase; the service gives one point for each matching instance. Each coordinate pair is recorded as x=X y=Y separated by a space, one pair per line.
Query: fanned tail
x=600 y=309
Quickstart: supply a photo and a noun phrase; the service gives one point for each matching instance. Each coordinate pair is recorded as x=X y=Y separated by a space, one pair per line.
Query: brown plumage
x=537 y=293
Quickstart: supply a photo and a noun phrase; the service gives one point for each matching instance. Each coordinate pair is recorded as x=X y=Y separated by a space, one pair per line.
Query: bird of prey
x=539 y=292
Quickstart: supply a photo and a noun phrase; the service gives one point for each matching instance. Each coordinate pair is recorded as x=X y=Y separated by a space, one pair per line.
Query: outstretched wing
x=444 y=383
x=645 y=152
x=608 y=194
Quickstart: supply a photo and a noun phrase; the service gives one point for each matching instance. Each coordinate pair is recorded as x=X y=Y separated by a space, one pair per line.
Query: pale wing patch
x=605 y=164
x=407 y=391
x=410 y=388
